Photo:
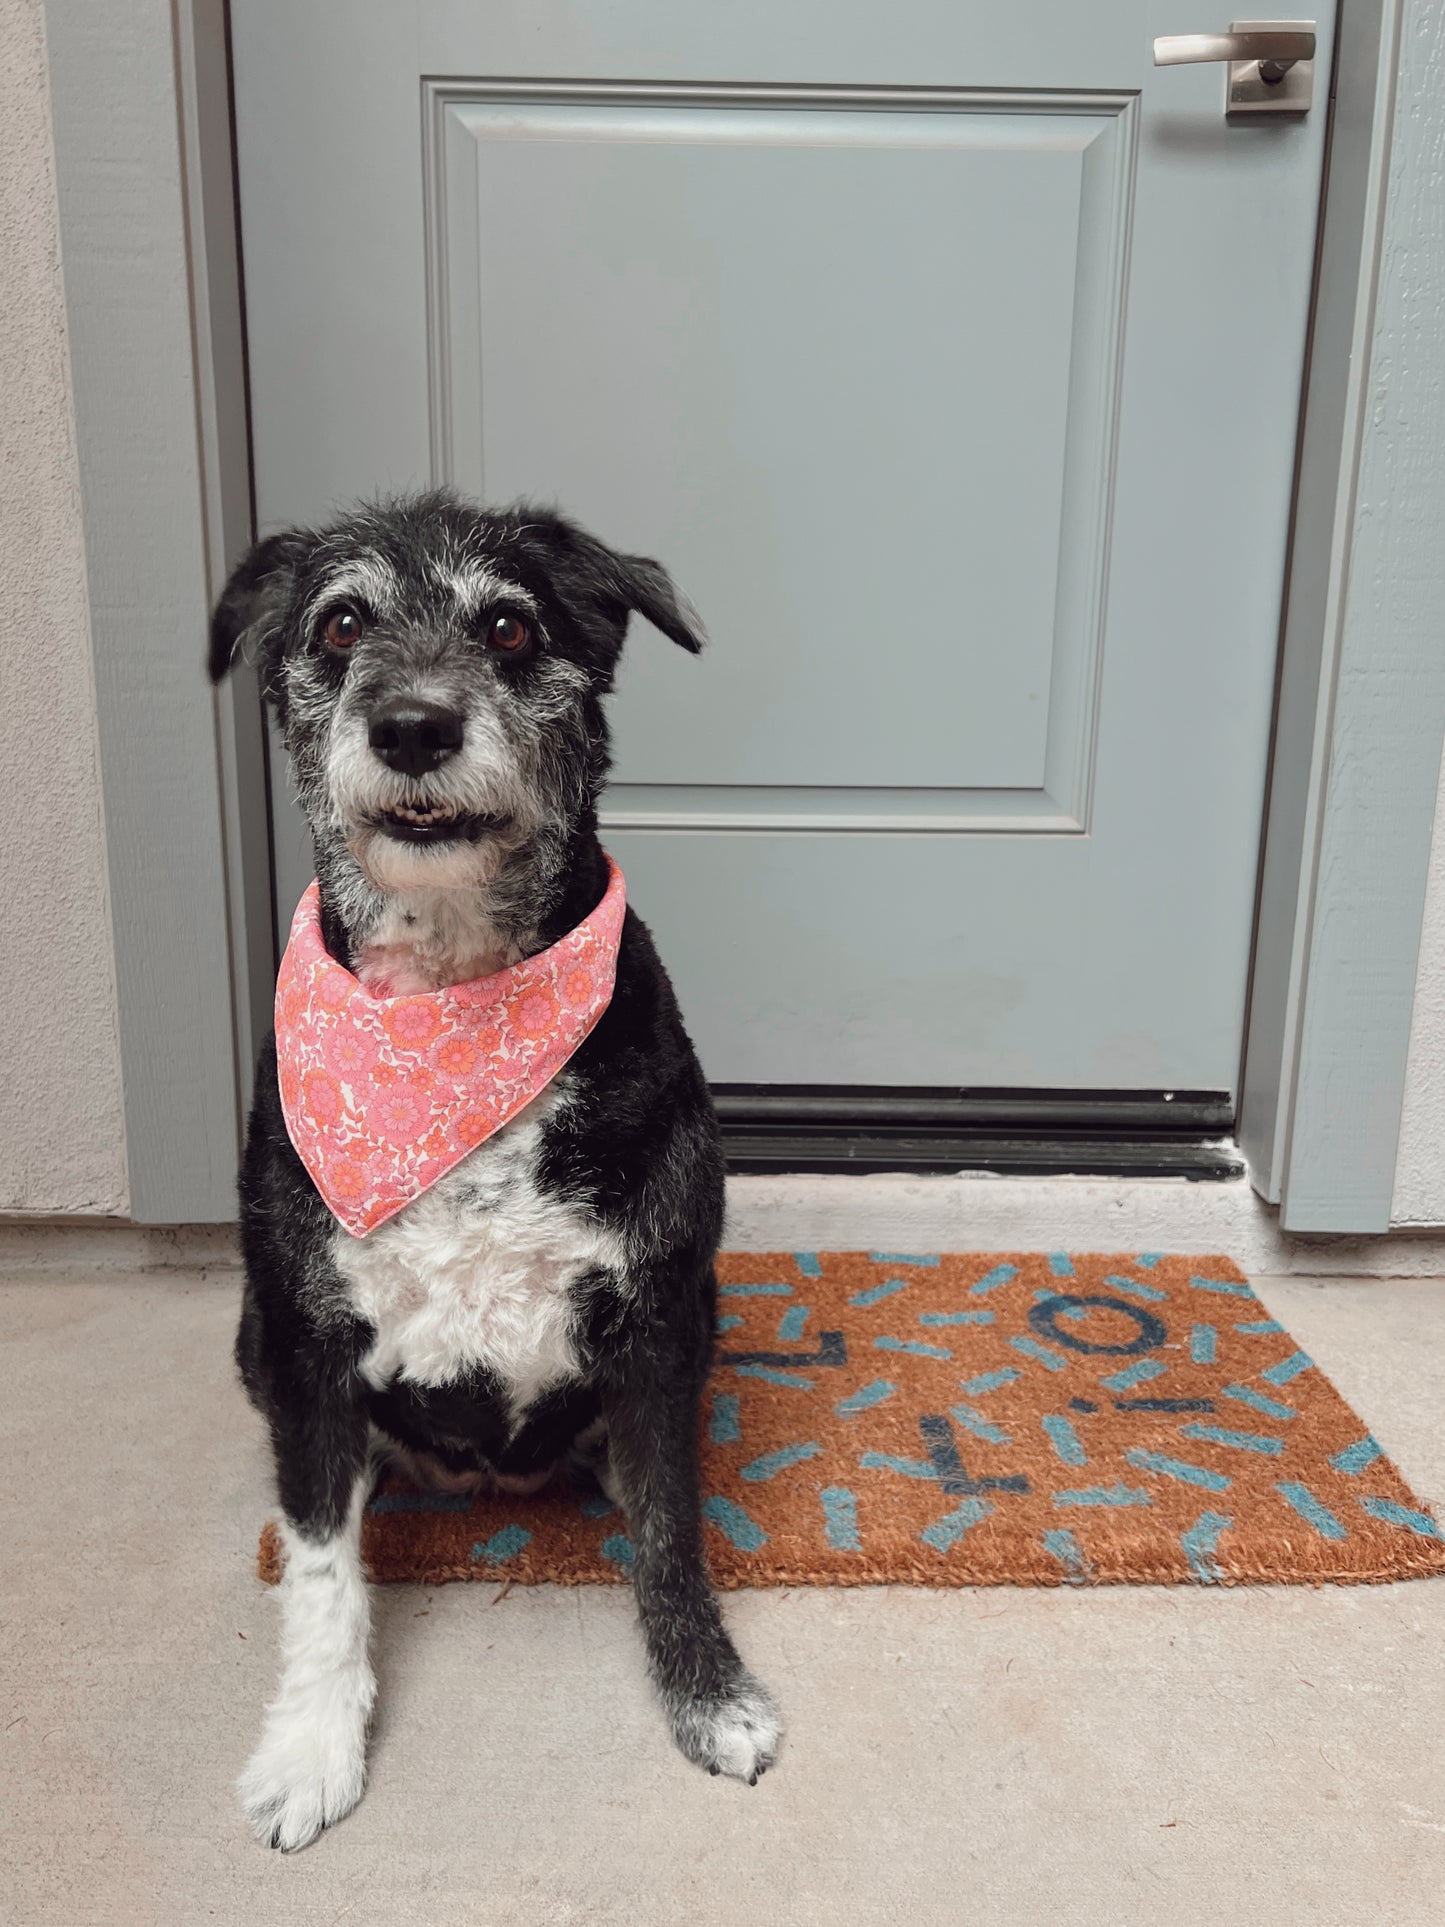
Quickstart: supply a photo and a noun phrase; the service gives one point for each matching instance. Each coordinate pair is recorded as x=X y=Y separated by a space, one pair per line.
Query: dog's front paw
x=735 y=1732
x=310 y=1769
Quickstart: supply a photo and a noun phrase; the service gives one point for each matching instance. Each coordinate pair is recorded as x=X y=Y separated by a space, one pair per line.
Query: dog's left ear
x=644 y=585
x=245 y=619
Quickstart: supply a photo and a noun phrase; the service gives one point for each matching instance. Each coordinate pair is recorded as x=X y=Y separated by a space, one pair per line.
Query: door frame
x=145 y=164
x=148 y=241
x=1360 y=714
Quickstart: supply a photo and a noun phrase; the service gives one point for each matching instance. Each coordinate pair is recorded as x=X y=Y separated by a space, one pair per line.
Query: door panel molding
x=739 y=806
x=1098 y=131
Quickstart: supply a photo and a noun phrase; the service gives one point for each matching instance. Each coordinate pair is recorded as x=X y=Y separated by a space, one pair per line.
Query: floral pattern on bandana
x=383 y=1095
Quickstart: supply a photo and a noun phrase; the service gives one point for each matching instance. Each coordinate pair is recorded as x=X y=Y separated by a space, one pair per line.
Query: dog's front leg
x=310 y=1767
x=721 y=1717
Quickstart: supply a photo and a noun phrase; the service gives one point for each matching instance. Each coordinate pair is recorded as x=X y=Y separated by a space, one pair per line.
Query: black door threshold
x=816 y=1128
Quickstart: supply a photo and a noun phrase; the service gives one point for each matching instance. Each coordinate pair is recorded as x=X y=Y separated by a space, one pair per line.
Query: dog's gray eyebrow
x=472 y=584
x=369 y=578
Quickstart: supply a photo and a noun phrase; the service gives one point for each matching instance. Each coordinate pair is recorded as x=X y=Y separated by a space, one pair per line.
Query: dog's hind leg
x=721 y=1717
x=310 y=1767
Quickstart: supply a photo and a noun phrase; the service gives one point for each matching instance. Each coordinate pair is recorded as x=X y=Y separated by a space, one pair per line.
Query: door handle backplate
x=1270 y=64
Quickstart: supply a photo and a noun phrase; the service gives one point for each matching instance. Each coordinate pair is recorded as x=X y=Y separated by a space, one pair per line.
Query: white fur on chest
x=478 y=1271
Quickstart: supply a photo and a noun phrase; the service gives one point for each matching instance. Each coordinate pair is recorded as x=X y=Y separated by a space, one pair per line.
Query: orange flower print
x=458 y=1056
x=349 y=1052
x=413 y=1022
x=385 y=1074
x=290 y=1086
x=536 y=1012
x=579 y=986
x=347 y=1179
x=398 y=1113
x=473 y=1127
x=321 y=1095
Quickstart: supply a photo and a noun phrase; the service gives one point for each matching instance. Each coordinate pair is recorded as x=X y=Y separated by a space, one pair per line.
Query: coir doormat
x=1019 y=1419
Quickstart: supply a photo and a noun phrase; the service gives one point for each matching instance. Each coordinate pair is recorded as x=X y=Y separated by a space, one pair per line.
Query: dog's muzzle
x=415 y=737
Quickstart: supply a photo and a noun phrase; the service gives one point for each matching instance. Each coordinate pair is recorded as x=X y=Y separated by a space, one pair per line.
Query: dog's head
x=437 y=670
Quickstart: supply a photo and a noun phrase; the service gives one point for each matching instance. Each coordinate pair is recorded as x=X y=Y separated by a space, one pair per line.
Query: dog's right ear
x=245 y=625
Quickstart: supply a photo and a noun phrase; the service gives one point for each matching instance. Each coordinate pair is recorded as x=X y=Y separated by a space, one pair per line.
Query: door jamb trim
x=140 y=104
x=1360 y=715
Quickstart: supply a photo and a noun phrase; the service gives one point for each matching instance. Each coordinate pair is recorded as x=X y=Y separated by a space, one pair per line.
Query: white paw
x=737 y=1735
x=310 y=1769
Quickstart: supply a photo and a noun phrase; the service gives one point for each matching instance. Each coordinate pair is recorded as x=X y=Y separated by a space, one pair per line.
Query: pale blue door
x=950 y=356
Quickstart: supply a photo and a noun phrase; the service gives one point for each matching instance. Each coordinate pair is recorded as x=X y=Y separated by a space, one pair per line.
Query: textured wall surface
x=1420 y=1172
x=61 y=1141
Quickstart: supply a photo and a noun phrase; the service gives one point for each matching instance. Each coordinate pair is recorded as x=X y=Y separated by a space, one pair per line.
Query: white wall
x=62 y=1147
x=1420 y=1172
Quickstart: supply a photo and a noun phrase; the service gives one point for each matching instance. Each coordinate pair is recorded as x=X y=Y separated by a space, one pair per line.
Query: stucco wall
x=1420 y=1171
x=61 y=1142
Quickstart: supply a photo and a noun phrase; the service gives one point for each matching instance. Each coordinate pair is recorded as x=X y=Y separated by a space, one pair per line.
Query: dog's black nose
x=412 y=735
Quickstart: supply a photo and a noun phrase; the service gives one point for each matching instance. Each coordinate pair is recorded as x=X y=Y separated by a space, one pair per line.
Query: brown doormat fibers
x=1005 y=1419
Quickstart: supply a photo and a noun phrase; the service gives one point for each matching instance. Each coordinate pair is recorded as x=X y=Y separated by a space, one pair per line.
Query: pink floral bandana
x=383 y=1095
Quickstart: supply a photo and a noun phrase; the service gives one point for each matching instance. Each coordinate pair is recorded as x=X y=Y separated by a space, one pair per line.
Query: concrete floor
x=1103 y=1757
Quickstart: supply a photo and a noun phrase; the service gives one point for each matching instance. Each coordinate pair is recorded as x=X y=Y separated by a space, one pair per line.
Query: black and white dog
x=438 y=674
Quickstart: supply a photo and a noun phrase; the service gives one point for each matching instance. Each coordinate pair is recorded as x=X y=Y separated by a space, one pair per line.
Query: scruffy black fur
x=425 y=581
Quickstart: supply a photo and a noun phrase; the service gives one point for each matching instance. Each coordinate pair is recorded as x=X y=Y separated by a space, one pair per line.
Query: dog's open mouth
x=433 y=823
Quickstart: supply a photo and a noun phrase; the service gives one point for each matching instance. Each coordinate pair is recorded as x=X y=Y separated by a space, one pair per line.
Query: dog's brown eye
x=509 y=635
x=343 y=629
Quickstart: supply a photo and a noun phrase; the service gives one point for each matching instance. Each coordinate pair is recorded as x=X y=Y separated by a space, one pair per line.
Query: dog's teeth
x=423 y=817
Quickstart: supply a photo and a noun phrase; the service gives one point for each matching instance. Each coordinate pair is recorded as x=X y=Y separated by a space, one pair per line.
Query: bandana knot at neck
x=384 y=1095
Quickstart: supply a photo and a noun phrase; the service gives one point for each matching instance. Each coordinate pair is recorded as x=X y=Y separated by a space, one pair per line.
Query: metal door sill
x=814 y=1129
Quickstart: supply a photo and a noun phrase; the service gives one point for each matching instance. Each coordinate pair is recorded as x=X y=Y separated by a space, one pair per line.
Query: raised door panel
x=849 y=360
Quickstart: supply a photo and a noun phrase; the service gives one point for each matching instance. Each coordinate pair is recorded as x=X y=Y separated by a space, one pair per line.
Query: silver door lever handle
x=1276 y=51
